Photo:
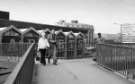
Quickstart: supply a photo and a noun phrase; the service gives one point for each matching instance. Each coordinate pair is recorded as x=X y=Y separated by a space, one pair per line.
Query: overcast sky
x=100 y=13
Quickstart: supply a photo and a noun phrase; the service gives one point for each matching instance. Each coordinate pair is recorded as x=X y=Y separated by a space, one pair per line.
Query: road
x=76 y=71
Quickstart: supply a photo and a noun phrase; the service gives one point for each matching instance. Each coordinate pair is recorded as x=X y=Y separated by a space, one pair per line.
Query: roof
x=76 y=34
x=79 y=35
x=75 y=25
x=60 y=31
x=40 y=31
x=68 y=33
x=47 y=30
x=25 y=30
x=23 y=24
x=4 y=29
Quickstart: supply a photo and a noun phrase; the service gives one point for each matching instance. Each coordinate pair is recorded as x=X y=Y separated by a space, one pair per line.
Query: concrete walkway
x=78 y=71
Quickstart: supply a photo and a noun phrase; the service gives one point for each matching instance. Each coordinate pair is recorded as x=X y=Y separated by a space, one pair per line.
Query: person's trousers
x=54 y=55
x=48 y=55
x=43 y=51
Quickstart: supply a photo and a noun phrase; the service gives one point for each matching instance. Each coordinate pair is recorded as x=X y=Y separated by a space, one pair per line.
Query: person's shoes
x=55 y=62
x=44 y=64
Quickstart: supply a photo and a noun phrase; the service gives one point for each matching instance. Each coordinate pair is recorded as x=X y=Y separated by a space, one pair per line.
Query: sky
x=105 y=15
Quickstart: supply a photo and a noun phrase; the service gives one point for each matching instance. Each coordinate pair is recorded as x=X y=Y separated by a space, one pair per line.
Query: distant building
x=4 y=15
x=73 y=23
x=128 y=32
x=76 y=24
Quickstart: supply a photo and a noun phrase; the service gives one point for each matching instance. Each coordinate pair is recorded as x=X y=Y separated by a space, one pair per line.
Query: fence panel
x=70 y=44
x=61 y=44
x=120 y=58
x=17 y=49
x=23 y=72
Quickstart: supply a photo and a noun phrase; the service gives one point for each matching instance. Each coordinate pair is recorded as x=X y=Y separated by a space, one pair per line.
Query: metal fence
x=118 y=58
x=124 y=44
x=17 y=49
x=23 y=72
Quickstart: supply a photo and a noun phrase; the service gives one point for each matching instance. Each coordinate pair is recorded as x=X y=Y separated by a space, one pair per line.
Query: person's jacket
x=52 y=38
x=100 y=40
x=43 y=43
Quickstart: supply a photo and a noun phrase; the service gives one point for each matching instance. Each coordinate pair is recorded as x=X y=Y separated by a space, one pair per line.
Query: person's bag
x=38 y=56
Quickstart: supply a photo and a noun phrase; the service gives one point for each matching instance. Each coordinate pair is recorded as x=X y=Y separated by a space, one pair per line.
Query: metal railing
x=124 y=44
x=118 y=58
x=23 y=72
x=16 y=49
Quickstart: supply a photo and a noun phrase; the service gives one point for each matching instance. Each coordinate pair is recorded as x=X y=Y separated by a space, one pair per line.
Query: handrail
x=115 y=45
x=119 y=58
x=12 y=77
x=13 y=49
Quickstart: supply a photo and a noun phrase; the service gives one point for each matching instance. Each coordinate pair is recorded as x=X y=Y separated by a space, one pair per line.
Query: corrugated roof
x=4 y=29
x=25 y=30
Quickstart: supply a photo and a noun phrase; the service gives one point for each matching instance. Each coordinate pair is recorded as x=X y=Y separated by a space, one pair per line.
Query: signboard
x=128 y=32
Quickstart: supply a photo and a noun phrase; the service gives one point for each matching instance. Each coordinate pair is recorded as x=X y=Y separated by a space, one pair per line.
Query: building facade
x=77 y=25
x=74 y=26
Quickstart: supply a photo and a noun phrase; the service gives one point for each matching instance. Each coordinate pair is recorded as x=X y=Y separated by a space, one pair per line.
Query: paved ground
x=5 y=68
x=78 y=71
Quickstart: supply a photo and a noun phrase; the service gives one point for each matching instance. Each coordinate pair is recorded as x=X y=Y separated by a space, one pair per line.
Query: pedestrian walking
x=53 y=46
x=98 y=40
x=43 y=44
x=49 y=50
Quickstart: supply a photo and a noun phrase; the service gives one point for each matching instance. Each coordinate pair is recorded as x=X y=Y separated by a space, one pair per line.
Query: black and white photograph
x=67 y=41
